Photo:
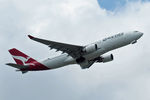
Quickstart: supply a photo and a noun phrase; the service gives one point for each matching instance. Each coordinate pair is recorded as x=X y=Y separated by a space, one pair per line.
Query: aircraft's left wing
x=73 y=50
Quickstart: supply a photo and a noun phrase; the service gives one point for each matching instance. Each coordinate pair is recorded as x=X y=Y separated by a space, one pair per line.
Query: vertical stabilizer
x=25 y=63
x=20 y=58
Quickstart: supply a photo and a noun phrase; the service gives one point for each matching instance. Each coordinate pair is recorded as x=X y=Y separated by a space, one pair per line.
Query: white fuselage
x=103 y=46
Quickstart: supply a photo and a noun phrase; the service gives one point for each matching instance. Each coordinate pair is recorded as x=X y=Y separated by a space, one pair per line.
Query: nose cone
x=138 y=34
x=141 y=34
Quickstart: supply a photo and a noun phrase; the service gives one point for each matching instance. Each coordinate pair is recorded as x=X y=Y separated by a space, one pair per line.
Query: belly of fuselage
x=58 y=61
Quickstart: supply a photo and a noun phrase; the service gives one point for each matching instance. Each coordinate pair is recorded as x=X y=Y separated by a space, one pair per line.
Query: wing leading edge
x=73 y=50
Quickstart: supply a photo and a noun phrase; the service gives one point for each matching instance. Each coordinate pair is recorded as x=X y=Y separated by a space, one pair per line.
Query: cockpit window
x=135 y=31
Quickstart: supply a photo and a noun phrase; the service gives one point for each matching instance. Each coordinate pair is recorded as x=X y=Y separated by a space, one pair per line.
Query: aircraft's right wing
x=73 y=50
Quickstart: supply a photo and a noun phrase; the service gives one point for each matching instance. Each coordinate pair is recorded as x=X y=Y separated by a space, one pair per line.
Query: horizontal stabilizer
x=17 y=65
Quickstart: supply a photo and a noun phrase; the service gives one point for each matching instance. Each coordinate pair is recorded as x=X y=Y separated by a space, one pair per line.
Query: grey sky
x=76 y=22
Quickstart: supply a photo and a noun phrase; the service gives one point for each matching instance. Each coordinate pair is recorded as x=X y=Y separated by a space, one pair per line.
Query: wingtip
x=31 y=37
x=7 y=64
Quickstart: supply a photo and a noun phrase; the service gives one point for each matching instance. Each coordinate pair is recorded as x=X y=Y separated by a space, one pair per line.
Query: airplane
x=85 y=56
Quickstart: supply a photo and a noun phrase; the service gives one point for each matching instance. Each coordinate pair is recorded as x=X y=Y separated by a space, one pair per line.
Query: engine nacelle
x=90 y=48
x=106 y=58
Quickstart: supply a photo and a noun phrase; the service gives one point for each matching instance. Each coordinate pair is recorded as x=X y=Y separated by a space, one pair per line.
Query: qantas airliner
x=85 y=56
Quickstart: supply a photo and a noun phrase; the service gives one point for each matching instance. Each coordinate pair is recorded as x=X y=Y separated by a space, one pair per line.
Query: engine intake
x=105 y=58
x=90 y=48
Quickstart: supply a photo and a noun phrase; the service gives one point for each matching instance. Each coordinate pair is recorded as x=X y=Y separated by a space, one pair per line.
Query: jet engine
x=105 y=58
x=90 y=48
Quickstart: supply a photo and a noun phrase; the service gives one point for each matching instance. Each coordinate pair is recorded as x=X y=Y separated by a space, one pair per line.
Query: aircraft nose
x=139 y=34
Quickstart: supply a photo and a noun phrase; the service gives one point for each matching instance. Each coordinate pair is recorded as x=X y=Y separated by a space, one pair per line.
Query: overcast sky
x=76 y=22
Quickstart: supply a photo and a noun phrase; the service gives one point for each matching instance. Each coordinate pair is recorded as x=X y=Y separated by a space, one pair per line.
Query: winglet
x=31 y=37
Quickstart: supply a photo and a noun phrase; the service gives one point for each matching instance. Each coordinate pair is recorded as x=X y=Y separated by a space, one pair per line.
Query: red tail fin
x=20 y=58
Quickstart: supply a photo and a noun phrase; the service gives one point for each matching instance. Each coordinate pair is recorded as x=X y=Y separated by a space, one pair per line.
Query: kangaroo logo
x=22 y=59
